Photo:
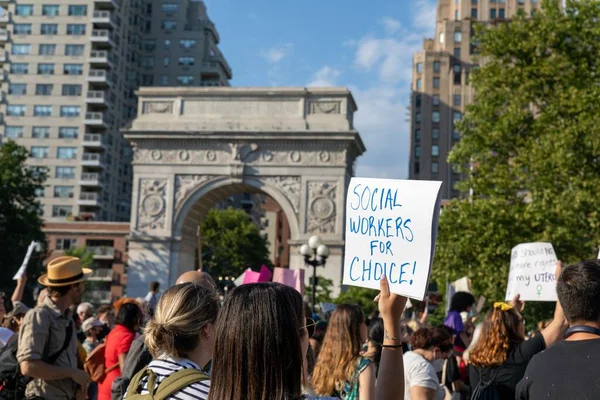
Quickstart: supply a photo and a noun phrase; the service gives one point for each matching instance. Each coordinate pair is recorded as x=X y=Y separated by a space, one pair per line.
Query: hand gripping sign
x=391 y=226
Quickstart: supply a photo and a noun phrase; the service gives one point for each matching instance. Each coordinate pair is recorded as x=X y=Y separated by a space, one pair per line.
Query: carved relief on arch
x=322 y=207
x=289 y=186
x=185 y=184
x=153 y=205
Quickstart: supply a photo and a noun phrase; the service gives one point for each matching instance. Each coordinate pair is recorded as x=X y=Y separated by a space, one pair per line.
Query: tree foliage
x=361 y=296
x=85 y=255
x=20 y=220
x=324 y=290
x=530 y=147
x=231 y=243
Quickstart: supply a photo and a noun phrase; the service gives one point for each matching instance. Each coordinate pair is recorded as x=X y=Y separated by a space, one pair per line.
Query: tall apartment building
x=69 y=74
x=440 y=85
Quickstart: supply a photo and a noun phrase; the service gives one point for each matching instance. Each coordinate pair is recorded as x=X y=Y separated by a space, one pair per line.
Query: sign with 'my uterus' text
x=532 y=272
x=391 y=226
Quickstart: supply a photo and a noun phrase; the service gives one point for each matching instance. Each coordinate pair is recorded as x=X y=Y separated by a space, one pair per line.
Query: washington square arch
x=194 y=147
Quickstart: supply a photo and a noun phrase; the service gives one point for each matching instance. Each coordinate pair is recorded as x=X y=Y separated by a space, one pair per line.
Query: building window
x=434 y=168
x=24 y=10
x=457 y=74
x=49 y=29
x=40 y=132
x=149 y=44
x=167 y=44
x=501 y=13
x=42 y=111
x=19 y=68
x=442 y=38
x=417 y=135
x=76 y=29
x=185 y=80
x=169 y=7
x=187 y=43
x=456 y=100
x=22 y=29
x=50 y=10
x=43 y=89
x=457 y=37
x=436 y=66
x=166 y=61
x=435 y=133
x=418 y=101
x=17 y=89
x=164 y=80
x=435 y=100
x=493 y=13
x=187 y=61
x=457 y=52
x=417 y=151
x=65 y=172
x=435 y=116
x=148 y=61
x=74 y=49
x=417 y=169
x=66 y=153
x=78 y=11
x=419 y=84
x=21 y=49
x=40 y=192
x=436 y=83
x=418 y=117
x=47 y=49
x=419 y=67
x=474 y=2
x=435 y=150
x=532 y=13
x=168 y=25
x=147 y=80
x=62 y=211
x=39 y=151
x=13 y=132
x=73 y=69
x=456 y=16
x=45 y=69
x=67 y=132
x=15 y=110
x=65 y=244
x=456 y=116
x=64 y=192
x=473 y=13
x=70 y=111
x=71 y=90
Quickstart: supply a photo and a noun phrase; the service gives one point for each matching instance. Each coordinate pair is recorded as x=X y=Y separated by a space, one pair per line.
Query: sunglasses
x=310 y=326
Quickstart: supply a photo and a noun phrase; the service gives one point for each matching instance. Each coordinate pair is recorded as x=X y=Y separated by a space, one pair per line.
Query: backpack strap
x=68 y=336
x=135 y=383
x=177 y=381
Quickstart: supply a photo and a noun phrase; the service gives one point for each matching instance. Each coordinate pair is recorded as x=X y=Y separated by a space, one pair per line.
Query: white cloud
x=274 y=55
x=391 y=57
x=326 y=76
x=390 y=25
x=424 y=15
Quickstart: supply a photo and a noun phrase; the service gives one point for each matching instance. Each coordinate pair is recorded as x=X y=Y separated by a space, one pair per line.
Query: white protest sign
x=391 y=226
x=532 y=272
x=23 y=267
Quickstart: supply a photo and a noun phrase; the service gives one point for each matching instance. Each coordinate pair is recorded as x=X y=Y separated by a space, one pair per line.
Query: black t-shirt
x=508 y=375
x=567 y=370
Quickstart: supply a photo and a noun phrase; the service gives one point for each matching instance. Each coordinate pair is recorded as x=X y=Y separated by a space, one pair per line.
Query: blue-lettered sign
x=391 y=226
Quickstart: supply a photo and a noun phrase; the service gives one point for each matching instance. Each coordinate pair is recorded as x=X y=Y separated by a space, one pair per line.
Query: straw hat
x=64 y=271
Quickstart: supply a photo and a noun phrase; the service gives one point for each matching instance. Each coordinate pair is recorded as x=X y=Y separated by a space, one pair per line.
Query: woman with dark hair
x=261 y=344
x=118 y=342
x=341 y=370
x=421 y=380
x=501 y=354
x=375 y=340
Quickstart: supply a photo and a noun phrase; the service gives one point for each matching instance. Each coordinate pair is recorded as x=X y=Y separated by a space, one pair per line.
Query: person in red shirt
x=118 y=343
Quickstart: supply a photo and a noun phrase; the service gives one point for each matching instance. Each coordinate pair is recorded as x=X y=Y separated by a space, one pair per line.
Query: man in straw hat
x=47 y=349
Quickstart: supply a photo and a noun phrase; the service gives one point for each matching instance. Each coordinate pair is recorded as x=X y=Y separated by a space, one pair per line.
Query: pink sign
x=290 y=277
x=255 y=277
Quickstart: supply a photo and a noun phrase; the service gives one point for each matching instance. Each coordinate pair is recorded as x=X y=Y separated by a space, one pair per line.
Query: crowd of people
x=260 y=342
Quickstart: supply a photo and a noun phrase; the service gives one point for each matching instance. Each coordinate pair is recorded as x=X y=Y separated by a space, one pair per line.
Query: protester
x=153 y=296
x=181 y=337
x=316 y=340
x=421 y=380
x=91 y=327
x=569 y=369
x=106 y=315
x=375 y=340
x=460 y=302
x=474 y=341
x=14 y=319
x=48 y=329
x=341 y=370
x=499 y=360
x=311 y=359
x=118 y=343
x=261 y=344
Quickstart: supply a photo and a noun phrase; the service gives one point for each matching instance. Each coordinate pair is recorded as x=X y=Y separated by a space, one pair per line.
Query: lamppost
x=315 y=253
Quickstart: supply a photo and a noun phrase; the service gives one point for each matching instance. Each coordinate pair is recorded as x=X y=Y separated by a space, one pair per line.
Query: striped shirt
x=166 y=366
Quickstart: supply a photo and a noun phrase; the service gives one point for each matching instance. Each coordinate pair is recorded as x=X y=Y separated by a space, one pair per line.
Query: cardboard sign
x=290 y=277
x=391 y=226
x=264 y=275
x=23 y=266
x=532 y=272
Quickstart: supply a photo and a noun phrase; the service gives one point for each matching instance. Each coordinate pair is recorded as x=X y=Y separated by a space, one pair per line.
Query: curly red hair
x=499 y=334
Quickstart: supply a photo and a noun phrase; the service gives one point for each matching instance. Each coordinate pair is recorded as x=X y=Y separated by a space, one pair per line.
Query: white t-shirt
x=419 y=372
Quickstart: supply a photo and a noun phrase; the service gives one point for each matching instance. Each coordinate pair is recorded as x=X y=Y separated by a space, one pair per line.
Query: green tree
x=361 y=296
x=231 y=243
x=530 y=149
x=324 y=289
x=85 y=255
x=20 y=220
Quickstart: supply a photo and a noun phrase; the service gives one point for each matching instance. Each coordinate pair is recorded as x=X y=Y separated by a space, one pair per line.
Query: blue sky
x=366 y=46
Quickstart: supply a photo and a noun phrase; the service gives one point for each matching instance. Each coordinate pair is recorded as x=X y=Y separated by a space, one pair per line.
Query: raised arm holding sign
x=391 y=226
